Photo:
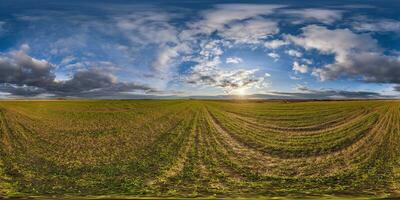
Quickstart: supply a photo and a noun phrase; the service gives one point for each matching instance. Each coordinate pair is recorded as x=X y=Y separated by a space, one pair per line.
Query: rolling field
x=189 y=148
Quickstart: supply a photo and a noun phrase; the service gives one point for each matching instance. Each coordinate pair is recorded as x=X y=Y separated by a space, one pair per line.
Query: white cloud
x=242 y=23
x=167 y=56
x=228 y=81
x=302 y=88
x=69 y=45
x=274 y=55
x=274 y=44
x=211 y=48
x=207 y=73
x=308 y=61
x=233 y=23
x=25 y=48
x=294 y=53
x=300 y=68
x=151 y=28
x=249 y=32
x=383 y=25
x=154 y=29
x=325 y=16
x=217 y=18
x=356 y=55
x=147 y=27
x=234 y=60
x=294 y=77
x=163 y=59
x=339 y=42
x=67 y=60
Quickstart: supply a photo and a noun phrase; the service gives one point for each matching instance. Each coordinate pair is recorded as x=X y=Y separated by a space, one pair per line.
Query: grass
x=202 y=149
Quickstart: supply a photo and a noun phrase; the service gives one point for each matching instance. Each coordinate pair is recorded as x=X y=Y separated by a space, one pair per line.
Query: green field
x=190 y=148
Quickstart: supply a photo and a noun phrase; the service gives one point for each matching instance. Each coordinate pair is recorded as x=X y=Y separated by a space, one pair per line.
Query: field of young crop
x=190 y=148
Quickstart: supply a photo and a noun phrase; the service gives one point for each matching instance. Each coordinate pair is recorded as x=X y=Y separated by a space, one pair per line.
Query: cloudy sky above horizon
x=104 y=49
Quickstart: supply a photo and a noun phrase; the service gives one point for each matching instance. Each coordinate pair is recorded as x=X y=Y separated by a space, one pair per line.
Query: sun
x=240 y=91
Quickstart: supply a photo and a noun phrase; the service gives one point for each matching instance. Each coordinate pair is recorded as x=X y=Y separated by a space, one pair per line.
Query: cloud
x=340 y=42
x=67 y=60
x=233 y=60
x=85 y=81
x=209 y=50
x=208 y=54
x=249 y=32
x=223 y=27
x=94 y=82
x=273 y=55
x=299 y=68
x=16 y=67
x=294 y=77
x=71 y=38
x=380 y=25
x=157 y=33
x=147 y=27
x=2 y=27
x=69 y=45
x=153 y=28
x=21 y=90
x=308 y=61
x=130 y=35
x=274 y=44
x=155 y=45
x=224 y=14
x=23 y=75
x=397 y=88
x=208 y=74
x=325 y=16
x=164 y=57
x=356 y=6
x=356 y=55
x=294 y=53
x=307 y=93
x=301 y=88
x=373 y=67
x=240 y=23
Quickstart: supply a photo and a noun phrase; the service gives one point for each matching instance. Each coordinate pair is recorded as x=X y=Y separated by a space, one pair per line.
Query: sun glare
x=240 y=91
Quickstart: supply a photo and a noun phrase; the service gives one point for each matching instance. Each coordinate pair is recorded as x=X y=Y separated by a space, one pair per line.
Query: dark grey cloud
x=397 y=88
x=19 y=68
x=23 y=75
x=26 y=91
x=373 y=67
x=85 y=81
x=94 y=82
x=329 y=93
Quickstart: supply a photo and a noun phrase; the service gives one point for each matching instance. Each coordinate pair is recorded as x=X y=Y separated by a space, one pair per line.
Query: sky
x=128 y=49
